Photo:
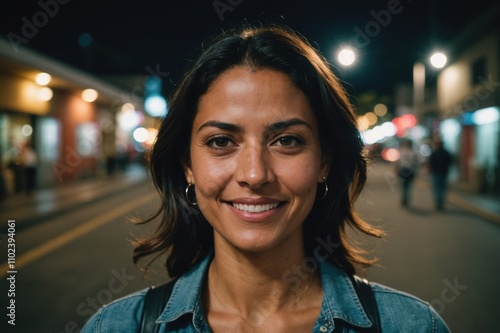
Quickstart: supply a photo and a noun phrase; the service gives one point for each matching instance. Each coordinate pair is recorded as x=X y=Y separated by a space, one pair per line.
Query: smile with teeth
x=255 y=208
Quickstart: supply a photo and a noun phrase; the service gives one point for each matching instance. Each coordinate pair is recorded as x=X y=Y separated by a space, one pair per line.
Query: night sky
x=127 y=37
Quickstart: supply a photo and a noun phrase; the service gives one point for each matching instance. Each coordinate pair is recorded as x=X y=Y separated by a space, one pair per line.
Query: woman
x=258 y=164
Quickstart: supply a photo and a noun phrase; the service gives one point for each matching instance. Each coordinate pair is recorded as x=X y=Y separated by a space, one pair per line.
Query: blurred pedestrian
x=29 y=162
x=3 y=184
x=15 y=169
x=407 y=169
x=439 y=166
x=258 y=165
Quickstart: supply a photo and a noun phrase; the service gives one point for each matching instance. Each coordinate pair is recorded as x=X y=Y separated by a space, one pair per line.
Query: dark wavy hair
x=183 y=232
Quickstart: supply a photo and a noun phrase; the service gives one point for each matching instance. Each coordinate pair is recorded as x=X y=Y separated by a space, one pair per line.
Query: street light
x=438 y=60
x=346 y=56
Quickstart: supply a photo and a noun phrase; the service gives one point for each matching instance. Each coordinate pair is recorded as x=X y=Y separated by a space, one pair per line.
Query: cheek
x=300 y=177
x=210 y=177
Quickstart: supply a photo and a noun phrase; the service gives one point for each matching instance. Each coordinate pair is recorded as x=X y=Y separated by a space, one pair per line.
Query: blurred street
x=71 y=261
x=87 y=85
x=450 y=258
x=74 y=260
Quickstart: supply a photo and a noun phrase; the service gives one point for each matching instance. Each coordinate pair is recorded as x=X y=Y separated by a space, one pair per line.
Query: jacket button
x=323 y=329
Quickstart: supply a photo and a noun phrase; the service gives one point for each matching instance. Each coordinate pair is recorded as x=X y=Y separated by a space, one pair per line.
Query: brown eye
x=289 y=141
x=286 y=141
x=219 y=142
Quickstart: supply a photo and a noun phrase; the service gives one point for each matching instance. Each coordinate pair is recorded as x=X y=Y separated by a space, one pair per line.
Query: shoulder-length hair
x=183 y=232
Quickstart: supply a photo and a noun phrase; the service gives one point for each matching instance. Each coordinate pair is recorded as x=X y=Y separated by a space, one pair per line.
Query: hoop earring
x=326 y=189
x=187 y=195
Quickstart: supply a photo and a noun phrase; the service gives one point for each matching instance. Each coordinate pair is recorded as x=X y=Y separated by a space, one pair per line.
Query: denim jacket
x=399 y=311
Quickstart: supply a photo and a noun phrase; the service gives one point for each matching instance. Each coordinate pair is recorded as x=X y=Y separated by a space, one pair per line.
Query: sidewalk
x=49 y=203
x=485 y=206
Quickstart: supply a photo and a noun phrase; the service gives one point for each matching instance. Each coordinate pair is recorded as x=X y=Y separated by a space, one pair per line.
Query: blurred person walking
x=14 y=168
x=406 y=169
x=439 y=167
x=3 y=184
x=29 y=161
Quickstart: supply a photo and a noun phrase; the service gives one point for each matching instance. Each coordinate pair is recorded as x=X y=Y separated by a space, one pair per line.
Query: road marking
x=73 y=234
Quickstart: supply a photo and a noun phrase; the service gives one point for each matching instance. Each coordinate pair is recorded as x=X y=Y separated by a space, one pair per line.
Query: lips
x=250 y=208
x=255 y=208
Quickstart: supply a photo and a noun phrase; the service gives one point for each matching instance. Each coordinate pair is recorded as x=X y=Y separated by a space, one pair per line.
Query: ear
x=188 y=171
x=324 y=171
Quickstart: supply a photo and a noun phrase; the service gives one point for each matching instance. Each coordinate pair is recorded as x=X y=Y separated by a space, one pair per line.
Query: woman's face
x=255 y=159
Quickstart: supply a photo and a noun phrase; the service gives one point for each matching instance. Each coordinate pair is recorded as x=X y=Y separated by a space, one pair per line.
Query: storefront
x=16 y=130
x=24 y=108
x=72 y=120
x=473 y=138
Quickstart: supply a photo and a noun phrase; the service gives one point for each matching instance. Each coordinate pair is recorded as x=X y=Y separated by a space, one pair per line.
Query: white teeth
x=255 y=208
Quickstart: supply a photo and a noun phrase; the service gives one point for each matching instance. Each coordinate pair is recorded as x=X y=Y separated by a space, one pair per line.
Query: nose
x=254 y=168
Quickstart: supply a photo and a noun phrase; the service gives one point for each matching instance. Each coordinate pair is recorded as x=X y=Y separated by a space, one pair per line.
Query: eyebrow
x=221 y=125
x=279 y=126
x=276 y=127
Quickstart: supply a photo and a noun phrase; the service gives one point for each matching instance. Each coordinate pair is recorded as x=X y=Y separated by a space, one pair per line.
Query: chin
x=258 y=242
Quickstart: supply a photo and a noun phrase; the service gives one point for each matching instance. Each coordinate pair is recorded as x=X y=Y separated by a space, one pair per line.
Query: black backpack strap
x=154 y=302
x=367 y=298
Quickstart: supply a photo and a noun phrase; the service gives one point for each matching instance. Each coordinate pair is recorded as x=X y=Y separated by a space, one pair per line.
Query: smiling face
x=255 y=159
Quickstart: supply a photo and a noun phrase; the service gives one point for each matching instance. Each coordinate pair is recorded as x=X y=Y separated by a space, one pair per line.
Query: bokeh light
x=45 y=94
x=390 y=154
x=403 y=123
x=128 y=107
x=380 y=110
x=438 y=60
x=43 y=79
x=26 y=130
x=371 y=117
x=128 y=119
x=89 y=95
x=140 y=134
x=152 y=134
x=363 y=123
x=346 y=57
x=155 y=105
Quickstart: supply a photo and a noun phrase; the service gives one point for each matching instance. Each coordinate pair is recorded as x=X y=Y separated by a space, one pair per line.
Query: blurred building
x=79 y=125
x=468 y=94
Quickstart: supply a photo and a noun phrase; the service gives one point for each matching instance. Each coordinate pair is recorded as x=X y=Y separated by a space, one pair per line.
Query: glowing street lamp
x=438 y=60
x=346 y=57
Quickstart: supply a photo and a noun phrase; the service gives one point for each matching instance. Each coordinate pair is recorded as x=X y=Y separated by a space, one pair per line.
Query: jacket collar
x=186 y=294
x=340 y=300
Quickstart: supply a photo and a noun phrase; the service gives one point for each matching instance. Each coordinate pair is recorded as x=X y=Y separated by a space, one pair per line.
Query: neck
x=242 y=282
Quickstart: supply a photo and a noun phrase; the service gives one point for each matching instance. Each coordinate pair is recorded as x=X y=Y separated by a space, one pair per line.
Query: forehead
x=263 y=94
x=243 y=79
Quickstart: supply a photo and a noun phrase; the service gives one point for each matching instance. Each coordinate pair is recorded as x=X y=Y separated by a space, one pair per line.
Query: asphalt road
x=450 y=259
x=68 y=266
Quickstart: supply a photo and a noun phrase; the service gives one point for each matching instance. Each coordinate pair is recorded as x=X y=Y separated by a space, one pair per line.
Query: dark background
x=129 y=36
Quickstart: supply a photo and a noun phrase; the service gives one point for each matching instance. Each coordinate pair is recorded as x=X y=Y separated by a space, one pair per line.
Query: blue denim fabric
x=399 y=311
